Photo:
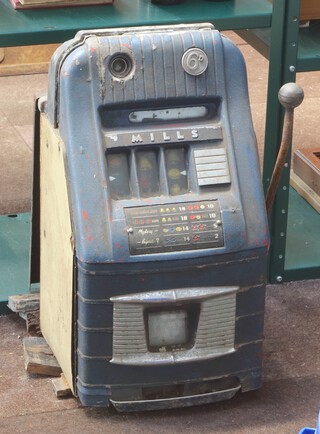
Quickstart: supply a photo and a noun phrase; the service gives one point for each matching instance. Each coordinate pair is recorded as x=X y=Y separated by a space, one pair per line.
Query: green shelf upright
x=272 y=28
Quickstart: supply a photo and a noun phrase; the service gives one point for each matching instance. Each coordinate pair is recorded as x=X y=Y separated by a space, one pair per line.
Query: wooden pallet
x=28 y=307
x=61 y=387
x=24 y=303
x=38 y=356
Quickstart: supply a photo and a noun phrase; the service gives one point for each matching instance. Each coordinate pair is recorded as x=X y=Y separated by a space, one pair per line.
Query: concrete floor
x=290 y=396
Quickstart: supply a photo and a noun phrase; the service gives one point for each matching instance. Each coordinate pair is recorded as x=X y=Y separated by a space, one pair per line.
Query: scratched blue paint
x=84 y=86
x=81 y=93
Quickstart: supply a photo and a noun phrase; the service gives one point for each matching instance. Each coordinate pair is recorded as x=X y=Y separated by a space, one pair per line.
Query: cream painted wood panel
x=57 y=252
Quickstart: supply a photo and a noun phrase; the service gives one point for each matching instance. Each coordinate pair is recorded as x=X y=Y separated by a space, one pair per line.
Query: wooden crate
x=310 y=9
x=306 y=164
x=305 y=177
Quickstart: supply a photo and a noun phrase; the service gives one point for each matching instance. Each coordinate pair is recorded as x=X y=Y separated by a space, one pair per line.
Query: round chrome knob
x=290 y=95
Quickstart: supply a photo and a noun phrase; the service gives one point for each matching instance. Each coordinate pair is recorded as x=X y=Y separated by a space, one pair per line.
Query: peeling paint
x=85 y=215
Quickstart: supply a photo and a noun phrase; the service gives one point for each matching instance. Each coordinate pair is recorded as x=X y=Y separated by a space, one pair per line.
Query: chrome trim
x=214 y=335
x=183 y=401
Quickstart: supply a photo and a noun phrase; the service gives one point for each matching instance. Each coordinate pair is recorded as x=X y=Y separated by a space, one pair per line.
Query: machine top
x=159 y=143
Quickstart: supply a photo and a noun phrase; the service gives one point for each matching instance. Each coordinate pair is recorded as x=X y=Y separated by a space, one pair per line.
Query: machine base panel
x=183 y=401
x=167 y=396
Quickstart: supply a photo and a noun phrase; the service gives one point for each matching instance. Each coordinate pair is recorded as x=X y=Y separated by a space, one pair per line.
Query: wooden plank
x=61 y=387
x=310 y=10
x=33 y=59
x=23 y=315
x=24 y=303
x=305 y=191
x=39 y=358
x=33 y=323
x=306 y=165
x=57 y=250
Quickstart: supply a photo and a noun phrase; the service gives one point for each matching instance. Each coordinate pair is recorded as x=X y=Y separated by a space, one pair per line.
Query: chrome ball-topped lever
x=290 y=96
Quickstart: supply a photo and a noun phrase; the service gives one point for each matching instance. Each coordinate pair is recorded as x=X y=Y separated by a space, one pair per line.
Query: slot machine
x=153 y=230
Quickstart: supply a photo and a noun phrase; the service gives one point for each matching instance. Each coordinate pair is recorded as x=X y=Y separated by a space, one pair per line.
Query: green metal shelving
x=295 y=247
x=309 y=48
x=14 y=256
x=295 y=231
x=288 y=55
x=308 y=57
x=303 y=240
x=45 y=26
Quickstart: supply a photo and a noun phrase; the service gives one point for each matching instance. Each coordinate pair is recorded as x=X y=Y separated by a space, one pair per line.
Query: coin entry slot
x=168 y=114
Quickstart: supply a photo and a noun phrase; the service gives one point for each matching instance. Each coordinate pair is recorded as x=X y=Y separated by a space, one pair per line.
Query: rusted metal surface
x=281 y=159
x=290 y=96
